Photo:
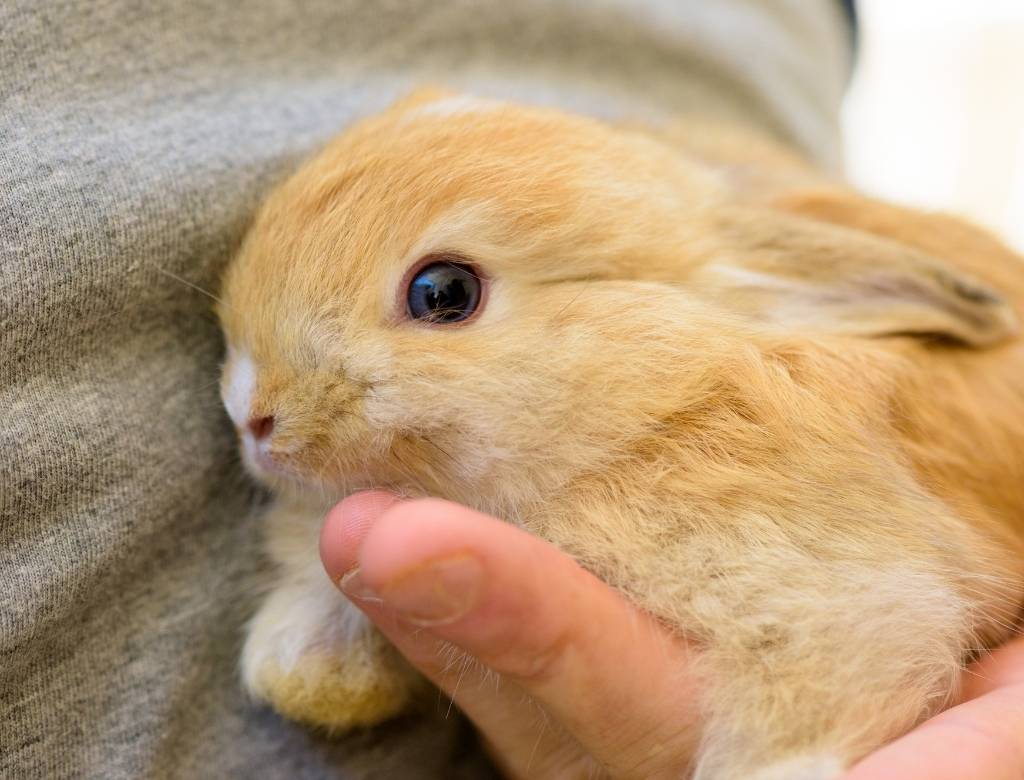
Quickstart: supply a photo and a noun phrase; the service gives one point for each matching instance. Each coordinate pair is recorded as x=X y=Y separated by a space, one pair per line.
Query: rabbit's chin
x=327 y=490
x=305 y=488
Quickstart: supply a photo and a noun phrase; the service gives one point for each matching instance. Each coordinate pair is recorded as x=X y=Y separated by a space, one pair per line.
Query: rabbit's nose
x=261 y=427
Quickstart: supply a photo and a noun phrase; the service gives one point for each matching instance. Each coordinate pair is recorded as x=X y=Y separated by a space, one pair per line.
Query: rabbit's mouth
x=265 y=460
x=268 y=464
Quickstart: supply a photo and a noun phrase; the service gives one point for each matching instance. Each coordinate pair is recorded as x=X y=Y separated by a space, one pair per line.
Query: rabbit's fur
x=786 y=419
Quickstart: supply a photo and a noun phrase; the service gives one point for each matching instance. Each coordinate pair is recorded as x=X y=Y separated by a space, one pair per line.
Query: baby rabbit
x=786 y=420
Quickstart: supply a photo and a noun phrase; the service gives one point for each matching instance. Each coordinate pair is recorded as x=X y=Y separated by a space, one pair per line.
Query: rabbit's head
x=477 y=299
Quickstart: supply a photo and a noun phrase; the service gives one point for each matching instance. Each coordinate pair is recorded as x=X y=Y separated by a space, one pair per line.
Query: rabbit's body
x=784 y=419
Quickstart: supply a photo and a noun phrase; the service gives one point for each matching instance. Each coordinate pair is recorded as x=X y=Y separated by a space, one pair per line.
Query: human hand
x=564 y=678
x=982 y=738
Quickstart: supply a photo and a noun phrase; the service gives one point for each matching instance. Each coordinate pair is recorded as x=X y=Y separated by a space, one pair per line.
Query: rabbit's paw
x=333 y=671
x=336 y=691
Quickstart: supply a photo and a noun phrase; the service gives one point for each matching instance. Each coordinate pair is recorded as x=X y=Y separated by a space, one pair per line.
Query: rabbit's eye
x=444 y=292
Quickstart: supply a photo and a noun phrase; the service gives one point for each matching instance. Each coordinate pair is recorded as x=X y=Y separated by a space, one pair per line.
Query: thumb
x=609 y=674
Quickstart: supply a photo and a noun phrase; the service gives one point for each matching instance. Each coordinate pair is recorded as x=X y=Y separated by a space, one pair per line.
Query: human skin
x=564 y=678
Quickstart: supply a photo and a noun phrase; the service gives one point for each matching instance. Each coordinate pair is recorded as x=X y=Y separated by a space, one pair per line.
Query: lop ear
x=787 y=264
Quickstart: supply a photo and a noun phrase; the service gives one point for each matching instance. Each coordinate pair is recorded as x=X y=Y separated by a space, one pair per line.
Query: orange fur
x=782 y=417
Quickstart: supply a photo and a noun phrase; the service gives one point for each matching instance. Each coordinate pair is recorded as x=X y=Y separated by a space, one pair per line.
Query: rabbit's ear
x=797 y=269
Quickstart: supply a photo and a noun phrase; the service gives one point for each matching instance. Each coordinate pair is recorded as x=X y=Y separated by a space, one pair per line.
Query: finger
x=520 y=735
x=617 y=681
x=981 y=738
x=999 y=669
x=347 y=524
x=523 y=738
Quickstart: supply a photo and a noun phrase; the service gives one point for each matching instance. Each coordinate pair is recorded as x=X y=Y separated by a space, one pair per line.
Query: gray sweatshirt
x=135 y=141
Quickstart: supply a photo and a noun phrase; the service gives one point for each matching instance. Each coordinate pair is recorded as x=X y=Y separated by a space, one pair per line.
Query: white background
x=935 y=116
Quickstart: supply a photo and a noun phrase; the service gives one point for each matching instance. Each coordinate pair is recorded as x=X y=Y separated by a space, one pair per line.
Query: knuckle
x=532 y=660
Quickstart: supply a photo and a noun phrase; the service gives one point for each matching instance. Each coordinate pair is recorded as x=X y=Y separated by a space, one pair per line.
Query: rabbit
x=784 y=418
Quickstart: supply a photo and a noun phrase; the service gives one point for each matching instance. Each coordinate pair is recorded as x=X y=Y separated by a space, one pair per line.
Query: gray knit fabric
x=136 y=139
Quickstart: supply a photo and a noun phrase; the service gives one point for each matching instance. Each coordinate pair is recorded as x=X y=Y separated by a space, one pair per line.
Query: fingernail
x=352 y=585
x=437 y=593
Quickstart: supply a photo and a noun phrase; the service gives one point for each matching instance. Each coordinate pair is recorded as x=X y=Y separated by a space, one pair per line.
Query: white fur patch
x=309 y=616
x=239 y=388
x=814 y=767
x=744 y=277
x=455 y=106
